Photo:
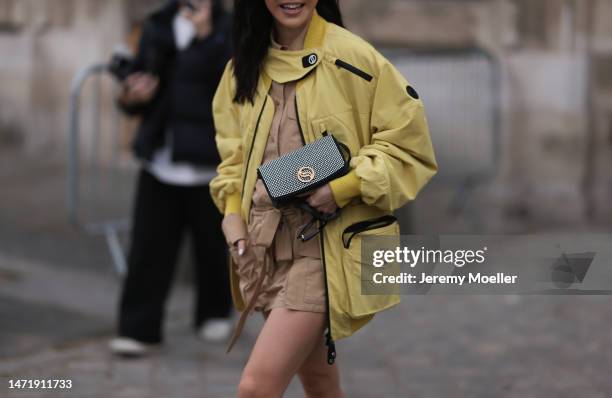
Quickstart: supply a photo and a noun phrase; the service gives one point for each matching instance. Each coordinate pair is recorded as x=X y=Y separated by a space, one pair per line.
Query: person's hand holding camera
x=139 y=88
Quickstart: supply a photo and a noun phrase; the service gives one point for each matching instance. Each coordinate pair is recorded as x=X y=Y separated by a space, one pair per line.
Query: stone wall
x=44 y=44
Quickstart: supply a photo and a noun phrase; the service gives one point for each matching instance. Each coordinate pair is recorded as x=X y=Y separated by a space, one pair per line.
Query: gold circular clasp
x=306 y=174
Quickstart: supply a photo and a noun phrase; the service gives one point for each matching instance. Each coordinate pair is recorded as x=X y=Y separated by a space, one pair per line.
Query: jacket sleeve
x=225 y=188
x=399 y=160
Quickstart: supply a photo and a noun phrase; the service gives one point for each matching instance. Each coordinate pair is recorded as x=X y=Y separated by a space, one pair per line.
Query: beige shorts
x=293 y=269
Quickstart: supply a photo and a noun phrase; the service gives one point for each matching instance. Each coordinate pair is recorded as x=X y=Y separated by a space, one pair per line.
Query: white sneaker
x=126 y=346
x=216 y=330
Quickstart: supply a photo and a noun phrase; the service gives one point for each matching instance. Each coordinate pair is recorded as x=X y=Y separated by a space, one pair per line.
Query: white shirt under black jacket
x=161 y=165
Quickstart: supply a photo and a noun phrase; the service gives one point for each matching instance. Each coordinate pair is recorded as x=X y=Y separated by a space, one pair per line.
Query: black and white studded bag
x=308 y=168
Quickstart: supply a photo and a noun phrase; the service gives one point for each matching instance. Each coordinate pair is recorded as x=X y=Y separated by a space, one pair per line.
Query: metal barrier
x=86 y=191
x=461 y=90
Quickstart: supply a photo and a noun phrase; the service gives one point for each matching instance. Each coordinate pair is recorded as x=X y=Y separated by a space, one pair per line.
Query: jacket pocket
x=359 y=271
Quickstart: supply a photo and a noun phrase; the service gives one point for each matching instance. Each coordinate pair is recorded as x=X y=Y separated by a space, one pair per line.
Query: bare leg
x=286 y=341
x=320 y=380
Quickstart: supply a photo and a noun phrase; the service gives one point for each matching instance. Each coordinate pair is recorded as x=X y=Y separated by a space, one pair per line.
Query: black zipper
x=331 y=346
x=353 y=69
x=252 y=144
x=329 y=341
x=367 y=225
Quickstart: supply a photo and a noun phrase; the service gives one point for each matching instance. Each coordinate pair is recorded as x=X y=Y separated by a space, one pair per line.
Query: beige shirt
x=284 y=136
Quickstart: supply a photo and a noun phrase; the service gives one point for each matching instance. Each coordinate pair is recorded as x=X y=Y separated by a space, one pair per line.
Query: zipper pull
x=331 y=350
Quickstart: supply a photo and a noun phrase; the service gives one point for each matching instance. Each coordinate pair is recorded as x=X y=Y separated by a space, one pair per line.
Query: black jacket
x=188 y=81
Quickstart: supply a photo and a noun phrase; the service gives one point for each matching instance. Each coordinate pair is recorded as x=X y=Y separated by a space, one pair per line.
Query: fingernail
x=240 y=251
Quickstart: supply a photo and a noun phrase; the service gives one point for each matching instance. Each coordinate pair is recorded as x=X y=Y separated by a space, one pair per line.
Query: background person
x=297 y=74
x=179 y=63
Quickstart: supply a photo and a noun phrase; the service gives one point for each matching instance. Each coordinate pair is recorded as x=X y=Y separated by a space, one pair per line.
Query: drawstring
x=321 y=218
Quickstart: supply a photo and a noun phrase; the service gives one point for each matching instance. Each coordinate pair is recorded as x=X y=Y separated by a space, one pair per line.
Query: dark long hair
x=252 y=26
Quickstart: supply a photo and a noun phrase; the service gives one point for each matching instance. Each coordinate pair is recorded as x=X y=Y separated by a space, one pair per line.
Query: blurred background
x=519 y=101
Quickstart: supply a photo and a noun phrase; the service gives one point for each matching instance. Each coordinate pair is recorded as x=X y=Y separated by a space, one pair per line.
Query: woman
x=297 y=74
x=182 y=54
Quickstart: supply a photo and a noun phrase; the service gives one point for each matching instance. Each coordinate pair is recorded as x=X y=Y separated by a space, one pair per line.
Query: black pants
x=162 y=214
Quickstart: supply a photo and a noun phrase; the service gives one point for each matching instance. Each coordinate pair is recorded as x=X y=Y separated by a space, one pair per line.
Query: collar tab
x=310 y=60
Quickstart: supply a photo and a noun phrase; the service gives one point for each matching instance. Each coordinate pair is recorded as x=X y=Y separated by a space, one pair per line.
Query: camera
x=121 y=66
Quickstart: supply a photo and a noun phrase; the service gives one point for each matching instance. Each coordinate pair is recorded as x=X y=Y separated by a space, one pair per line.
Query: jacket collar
x=316 y=32
x=287 y=66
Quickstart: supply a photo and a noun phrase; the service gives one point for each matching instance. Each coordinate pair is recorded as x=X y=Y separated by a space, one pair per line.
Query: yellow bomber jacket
x=348 y=89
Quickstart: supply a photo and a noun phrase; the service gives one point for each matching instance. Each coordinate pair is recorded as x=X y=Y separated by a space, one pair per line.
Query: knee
x=250 y=387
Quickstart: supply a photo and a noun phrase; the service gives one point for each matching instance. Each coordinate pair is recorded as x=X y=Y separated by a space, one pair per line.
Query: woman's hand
x=235 y=232
x=323 y=200
x=139 y=88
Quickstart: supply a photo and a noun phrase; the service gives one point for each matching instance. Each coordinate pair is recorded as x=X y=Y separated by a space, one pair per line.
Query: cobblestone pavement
x=56 y=323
